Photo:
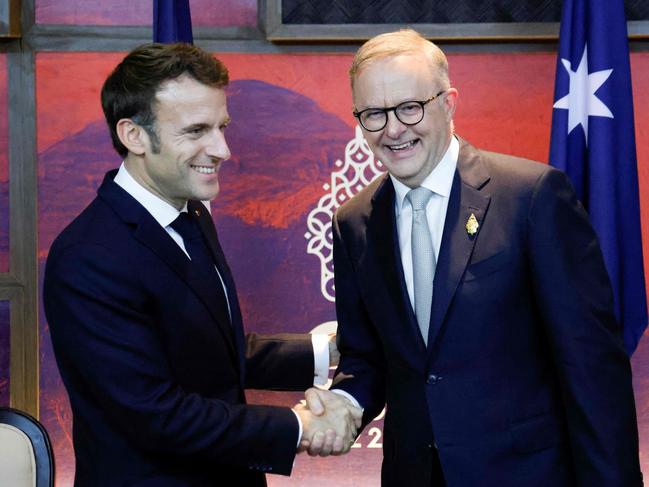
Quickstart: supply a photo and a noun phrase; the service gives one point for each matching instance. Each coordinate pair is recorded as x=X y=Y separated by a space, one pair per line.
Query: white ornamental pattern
x=357 y=171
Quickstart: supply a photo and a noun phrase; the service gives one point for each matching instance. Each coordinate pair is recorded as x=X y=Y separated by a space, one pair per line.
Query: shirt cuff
x=351 y=398
x=299 y=423
x=320 y=342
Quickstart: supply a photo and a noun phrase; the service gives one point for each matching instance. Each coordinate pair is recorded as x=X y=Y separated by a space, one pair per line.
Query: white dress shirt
x=439 y=181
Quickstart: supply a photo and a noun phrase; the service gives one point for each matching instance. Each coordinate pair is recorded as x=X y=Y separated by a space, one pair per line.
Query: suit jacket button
x=433 y=379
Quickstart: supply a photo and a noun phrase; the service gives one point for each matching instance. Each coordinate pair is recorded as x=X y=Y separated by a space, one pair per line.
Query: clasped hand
x=330 y=423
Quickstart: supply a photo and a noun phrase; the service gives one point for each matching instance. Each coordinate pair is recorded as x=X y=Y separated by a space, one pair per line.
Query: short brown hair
x=130 y=90
x=404 y=41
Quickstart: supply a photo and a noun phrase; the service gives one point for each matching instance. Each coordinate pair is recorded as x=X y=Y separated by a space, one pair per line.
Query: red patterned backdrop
x=291 y=123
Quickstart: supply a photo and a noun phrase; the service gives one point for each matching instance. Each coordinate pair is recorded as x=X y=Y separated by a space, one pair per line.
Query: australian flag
x=593 y=141
x=172 y=21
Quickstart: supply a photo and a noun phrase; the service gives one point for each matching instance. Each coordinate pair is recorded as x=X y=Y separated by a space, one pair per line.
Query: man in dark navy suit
x=473 y=300
x=143 y=310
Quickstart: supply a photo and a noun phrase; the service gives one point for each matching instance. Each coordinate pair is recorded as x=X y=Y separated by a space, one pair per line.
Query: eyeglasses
x=408 y=113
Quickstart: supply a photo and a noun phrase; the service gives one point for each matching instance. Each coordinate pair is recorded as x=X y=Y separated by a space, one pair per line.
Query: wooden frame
x=19 y=285
x=276 y=31
x=10 y=18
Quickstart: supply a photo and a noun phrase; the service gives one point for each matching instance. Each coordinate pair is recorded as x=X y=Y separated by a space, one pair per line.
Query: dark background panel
x=433 y=11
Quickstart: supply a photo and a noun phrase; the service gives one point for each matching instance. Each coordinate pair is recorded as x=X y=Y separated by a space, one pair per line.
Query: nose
x=394 y=128
x=217 y=147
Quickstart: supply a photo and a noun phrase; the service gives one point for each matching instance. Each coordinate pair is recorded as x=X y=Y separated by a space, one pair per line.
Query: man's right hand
x=331 y=428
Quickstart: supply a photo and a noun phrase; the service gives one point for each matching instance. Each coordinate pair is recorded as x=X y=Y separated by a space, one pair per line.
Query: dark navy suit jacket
x=154 y=367
x=525 y=381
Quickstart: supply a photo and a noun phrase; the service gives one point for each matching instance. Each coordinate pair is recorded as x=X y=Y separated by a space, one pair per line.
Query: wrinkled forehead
x=186 y=88
x=184 y=98
x=391 y=80
x=404 y=62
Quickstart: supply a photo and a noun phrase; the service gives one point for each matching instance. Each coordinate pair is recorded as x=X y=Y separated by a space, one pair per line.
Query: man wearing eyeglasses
x=472 y=299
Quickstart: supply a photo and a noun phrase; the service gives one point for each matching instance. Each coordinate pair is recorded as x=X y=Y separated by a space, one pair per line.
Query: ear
x=450 y=102
x=133 y=136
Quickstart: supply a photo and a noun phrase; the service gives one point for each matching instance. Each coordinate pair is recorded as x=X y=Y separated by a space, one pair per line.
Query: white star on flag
x=581 y=101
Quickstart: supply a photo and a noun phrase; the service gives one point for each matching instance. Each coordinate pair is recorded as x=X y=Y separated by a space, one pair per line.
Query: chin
x=207 y=194
x=403 y=171
x=205 y=197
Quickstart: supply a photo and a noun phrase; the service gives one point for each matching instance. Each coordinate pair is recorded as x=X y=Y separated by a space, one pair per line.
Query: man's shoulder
x=514 y=164
x=97 y=223
x=360 y=205
x=506 y=170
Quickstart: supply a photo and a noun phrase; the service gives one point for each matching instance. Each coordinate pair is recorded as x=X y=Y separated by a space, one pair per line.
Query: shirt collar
x=160 y=210
x=440 y=179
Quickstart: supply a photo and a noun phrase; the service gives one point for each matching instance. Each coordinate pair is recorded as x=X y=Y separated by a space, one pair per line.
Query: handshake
x=330 y=423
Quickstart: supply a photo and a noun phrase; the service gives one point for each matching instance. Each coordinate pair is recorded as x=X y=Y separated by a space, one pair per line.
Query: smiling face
x=184 y=164
x=408 y=152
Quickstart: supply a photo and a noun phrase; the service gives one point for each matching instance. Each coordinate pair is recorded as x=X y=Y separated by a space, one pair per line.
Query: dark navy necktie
x=199 y=253
x=197 y=247
x=195 y=243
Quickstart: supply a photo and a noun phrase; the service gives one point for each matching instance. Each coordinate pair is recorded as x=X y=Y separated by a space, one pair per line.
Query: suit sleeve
x=361 y=371
x=573 y=290
x=106 y=343
x=282 y=362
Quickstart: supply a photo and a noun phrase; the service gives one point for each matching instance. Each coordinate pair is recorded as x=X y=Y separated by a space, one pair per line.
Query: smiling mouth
x=402 y=147
x=205 y=169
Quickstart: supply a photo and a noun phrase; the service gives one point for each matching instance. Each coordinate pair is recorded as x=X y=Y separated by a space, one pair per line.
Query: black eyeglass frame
x=394 y=109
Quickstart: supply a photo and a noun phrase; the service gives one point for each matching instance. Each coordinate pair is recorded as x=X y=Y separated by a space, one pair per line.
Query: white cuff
x=351 y=398
x=320 y=344
x=299 y=423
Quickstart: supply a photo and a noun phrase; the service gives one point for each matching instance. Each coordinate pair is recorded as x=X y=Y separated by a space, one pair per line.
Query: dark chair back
x=41 y=448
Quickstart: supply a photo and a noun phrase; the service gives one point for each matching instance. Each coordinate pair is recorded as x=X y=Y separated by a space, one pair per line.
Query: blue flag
x=172 y=21
x=593 y=141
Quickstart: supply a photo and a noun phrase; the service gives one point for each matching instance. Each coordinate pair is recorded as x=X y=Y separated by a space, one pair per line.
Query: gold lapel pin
x=472 y=225
x=197 y=212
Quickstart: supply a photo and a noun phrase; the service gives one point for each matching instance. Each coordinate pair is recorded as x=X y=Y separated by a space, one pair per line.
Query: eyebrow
x=194 y=126
x=202 y=126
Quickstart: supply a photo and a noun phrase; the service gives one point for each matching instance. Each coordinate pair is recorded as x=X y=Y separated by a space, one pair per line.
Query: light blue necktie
x=423 y=258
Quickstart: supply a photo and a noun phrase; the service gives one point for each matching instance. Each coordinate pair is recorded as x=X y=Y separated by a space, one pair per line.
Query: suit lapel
x=148 y=232
x=386 y=266
x=466 y=199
